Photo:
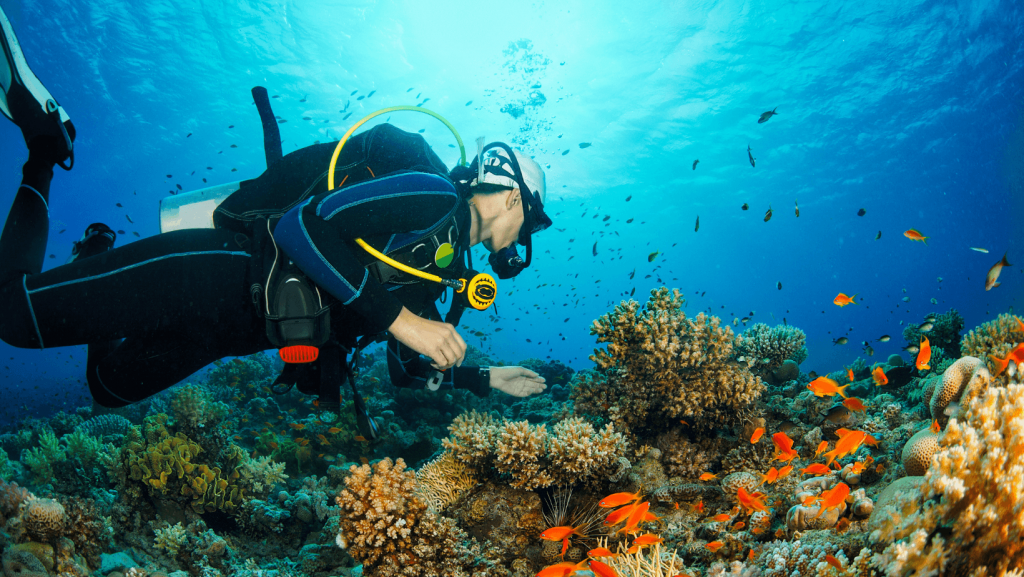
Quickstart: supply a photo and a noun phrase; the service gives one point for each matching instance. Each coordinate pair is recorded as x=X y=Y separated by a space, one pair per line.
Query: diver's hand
x=439 y=341
x=516 y=381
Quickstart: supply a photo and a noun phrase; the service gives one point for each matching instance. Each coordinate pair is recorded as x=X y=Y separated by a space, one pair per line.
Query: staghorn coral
x=767 y=348
x=959 y=383
x=531 y=457
x=171 y=538
x=391 y=531
x=444 y=481
x=969 y=512
x=660 y=365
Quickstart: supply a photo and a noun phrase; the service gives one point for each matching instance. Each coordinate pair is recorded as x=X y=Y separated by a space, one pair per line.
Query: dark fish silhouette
x=745 y=206
x=766 y=115
x=861 y=212
x=750 y=156
x=797 y=209
x=768 y=215
x=584 y=145
x=697 y=226
x=695 y=163
x=595 y=248
x=879 y=235
x=840 y=341
x=779 y=285
x=629 y=197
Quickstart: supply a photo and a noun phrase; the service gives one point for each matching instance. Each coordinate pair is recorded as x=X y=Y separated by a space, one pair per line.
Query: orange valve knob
x=299 y=354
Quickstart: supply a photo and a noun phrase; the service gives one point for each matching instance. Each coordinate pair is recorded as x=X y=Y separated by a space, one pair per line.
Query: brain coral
x=960 y=382
x=43 y=519
x=660 y=366
x=970 y=512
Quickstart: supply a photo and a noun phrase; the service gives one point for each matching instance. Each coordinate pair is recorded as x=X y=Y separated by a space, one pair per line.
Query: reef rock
x=964 y=379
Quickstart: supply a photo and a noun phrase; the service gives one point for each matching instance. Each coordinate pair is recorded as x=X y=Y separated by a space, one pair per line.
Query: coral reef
x=945 y=333
x=969 y=513
x=444 y=480
x=529 y=456
x=105 y=425
x=389 y=529
x=994 y=338
x=918 y=452
x=660 y=365
x=767 y=348
x=959 y=383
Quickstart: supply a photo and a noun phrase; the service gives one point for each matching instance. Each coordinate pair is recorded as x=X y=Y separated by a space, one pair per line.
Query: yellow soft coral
x=660 y=365
x=970 y=513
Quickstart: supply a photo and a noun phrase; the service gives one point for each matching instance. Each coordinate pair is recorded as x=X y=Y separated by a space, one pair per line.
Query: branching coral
x=994 y=338
x=444 y=480
x=529 y=456
x=768 y=347
x=660 y=365
x=391 y=531
x=970 y=512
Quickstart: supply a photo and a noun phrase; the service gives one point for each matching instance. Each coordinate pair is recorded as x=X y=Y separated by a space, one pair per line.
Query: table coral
x=970 y=511
x=660 y=366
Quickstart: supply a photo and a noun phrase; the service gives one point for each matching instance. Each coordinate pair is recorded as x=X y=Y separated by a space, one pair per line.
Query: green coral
x=167 y=464
x=40 y=460
x=6 y=471
x=194 y=408
x=944 y=334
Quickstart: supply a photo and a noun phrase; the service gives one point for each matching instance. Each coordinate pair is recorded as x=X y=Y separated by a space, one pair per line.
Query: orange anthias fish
x=559 y=533
x=757 y=435
x=635 y=518
x=738 y=526
x=769 y=477
x=699 y=506
x=616 y=499
x=935 y=428
x=334 y=430
x=833 y=562
x=708 y=476
x=924 y=355
x=879 y=376
x=600 y=569
x=751 y=502
x=915 y=235
x=826 y=387
x=815 y=469
x=714 y=546
x=600 y=552
x=842 y=300
x=858 y=467
x=721 y=517
x=855 y=405
x=563 y=569
x=846 y=445
x=992 y=278
x=618 y=515
x=849 y=374
x=647 y=539
x=784 y=450
x=833 y=498
x=785 y=471
x=1016 y=356
x=821 y=447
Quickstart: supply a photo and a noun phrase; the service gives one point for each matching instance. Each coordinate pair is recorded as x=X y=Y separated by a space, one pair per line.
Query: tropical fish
x=751 y=502
x=745 y=206
x=600 y=552
x=696 y=227
x=821 y=447
x=797 y=208
x=833 y=498
x=869 y=351
x=778 y=285
x=846 y=445
x=826 y=387
x=1015 y=356
x=766 y=115
x=297 y=426
x=879 y=376
x=720 y=518
x=334 y=430
x=757 y=435
x=982 y=250
x=636 y=517
x=849 y=374
x=559 y=533
x=926 y=327
x=879 y=235
x=617 y=499
x=647 y=539
x=769 y=477
x=992 y=278
x=714 y=546
x=768 y=215
x=924 y=355
x=842 y=300
x=884 y=338
x=618 y=515
x=751 y=157
x=816 y=469
x=861 y=212
x=840 y=341
x=650 y=257
x=855 y=405
x=785 y=471
x=563 y=569
x=599 y=569
x=833 y=562
x=708 y=476
x=915 y=235
x=912 y=349
x=695 y=164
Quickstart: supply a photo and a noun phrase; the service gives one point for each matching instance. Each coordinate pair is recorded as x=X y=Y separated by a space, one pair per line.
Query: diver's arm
x=319 y=234
x=409 y=370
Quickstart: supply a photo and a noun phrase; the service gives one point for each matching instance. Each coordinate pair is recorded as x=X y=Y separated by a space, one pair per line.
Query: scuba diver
x=292 y=262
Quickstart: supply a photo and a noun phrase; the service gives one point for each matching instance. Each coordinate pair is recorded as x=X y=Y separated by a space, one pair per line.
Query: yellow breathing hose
x=457 y=284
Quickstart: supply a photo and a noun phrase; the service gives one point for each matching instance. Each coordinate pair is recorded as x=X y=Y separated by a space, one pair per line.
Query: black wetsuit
x=181 y=300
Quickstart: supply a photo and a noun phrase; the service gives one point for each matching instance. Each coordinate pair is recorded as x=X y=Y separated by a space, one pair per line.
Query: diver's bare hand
x=516 y=381
x=439 y=341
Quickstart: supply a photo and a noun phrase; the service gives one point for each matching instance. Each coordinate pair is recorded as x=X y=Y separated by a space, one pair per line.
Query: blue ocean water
x=909 y=110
